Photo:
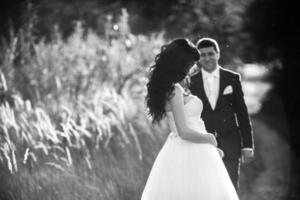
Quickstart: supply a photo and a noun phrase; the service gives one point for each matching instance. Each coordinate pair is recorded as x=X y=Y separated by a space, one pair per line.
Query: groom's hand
x=247 y=155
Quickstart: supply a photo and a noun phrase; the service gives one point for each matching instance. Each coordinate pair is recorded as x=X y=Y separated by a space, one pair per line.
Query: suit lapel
x=221 y=87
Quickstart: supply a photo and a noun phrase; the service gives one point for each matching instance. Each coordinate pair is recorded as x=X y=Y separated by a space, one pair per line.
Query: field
x=74 y=125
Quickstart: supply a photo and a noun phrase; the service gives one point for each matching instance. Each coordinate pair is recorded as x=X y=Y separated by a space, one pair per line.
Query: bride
x=189 y=166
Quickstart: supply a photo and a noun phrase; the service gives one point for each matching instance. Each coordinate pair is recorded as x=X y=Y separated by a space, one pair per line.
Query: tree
x=275 y=33
x=177 y=18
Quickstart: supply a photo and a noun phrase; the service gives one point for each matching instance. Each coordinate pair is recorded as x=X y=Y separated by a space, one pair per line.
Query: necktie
x=211 y=90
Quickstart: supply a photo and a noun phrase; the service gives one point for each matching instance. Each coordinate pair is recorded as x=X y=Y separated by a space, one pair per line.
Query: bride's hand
x=212 y=139
x=221 y=152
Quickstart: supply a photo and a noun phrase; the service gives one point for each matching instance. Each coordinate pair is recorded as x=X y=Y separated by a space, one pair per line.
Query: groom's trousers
x=233 y=167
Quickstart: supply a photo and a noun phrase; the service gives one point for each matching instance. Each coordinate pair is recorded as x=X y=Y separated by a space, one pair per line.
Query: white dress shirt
x=211 y=83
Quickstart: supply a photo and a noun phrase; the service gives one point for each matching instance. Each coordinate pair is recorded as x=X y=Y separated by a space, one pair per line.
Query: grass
x=73 y=122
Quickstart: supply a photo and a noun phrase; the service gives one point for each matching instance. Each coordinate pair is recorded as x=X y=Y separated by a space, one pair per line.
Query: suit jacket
x=229 y=121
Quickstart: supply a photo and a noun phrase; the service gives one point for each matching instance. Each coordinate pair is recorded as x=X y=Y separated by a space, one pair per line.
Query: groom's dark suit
x=229 y=121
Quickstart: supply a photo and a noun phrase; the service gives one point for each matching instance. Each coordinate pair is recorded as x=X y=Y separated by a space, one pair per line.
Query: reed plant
x=72 y=115
x=73 y=122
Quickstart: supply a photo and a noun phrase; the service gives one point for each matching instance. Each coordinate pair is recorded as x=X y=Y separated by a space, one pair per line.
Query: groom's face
x=209 y=58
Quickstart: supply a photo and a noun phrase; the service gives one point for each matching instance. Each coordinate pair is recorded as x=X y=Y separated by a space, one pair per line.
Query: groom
x=224 y=111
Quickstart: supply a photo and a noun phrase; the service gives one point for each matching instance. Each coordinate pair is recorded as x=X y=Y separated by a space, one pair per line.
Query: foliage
x=72 y=116
x=220 y=19
x=74 y=108
x=277 y=36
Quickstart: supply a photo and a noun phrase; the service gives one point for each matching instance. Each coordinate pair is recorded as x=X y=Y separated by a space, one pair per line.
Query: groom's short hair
x=208 y=42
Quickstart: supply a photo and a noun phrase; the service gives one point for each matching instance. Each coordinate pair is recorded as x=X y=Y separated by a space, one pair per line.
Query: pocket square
x=227 y=90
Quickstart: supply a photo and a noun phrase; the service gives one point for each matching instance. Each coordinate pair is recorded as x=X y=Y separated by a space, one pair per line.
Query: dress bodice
x=193 y=109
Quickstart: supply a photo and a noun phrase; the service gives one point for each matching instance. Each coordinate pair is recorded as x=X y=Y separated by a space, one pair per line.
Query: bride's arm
x=184 y=131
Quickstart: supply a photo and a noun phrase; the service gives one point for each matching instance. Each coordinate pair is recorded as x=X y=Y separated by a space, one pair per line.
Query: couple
x=206 y=126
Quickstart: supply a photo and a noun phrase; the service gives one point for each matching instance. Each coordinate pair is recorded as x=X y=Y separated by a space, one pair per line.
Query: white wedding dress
x=188 y=171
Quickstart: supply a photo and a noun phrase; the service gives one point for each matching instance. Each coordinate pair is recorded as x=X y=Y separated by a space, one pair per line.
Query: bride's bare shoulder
x=177 y=90
x=168 y=107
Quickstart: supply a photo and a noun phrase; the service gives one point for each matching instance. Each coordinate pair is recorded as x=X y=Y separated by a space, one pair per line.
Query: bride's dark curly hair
x=171 y=66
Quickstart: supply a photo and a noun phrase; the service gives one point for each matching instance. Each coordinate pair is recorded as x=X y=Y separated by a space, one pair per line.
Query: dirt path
x=267 y=177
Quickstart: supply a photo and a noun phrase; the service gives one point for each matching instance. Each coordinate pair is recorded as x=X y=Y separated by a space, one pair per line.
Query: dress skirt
x=188 y=171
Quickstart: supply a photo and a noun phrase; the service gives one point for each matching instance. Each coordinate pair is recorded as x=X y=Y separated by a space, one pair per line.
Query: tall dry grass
x=72 y=118
x=73 y=123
